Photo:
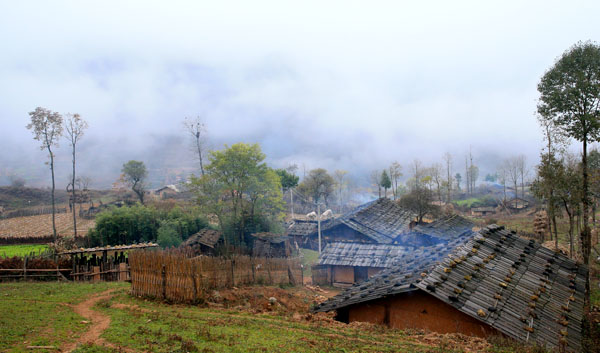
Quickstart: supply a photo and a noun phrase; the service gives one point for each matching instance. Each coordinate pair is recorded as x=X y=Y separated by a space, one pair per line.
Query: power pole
x=292 y=201
x=319 y=225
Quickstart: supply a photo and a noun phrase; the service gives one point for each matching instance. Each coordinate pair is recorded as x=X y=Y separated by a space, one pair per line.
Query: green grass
x=21 y=250
x=467 y=202
x=309 y=258
x=38 y=314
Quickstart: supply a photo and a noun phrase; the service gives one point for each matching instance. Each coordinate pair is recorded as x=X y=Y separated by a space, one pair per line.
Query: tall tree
x=237 y=186
x=436 y=178
x=47 y=128
x=448 y=160
x=75 y=127
x=385 y=182
x=458 y=178
x=570 y=98
x=522 y=167
x=511 y=166
x=318 y=185
x=395 y=174
x=197 y=129
x=134 y=174
x=341 y=184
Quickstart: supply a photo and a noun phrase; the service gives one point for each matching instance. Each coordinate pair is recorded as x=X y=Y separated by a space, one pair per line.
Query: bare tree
x=47 y=128
x=448 y=160
x=436 y=177
x=340 y=181
x=512 y=171
x=75 y=126
x=395 y=174
x=197 y=129
x=523 y=172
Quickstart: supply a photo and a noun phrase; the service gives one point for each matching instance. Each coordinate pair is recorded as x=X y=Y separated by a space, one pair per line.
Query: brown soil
x=97 y=321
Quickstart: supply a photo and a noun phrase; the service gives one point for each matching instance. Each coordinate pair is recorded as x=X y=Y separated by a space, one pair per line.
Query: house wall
x=373 y=271
x=343 y=274
x=418 y=310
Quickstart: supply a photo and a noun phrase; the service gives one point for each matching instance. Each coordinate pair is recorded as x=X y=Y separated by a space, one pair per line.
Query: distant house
x=205 y=241
x=482 y=211
x=271 y=245
x=439 y=231
x=494 y=284
x=376 y=222
x=343 y=264
x=166 y=191
x=517 y=204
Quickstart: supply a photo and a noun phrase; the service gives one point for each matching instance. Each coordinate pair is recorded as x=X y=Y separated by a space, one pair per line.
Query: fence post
x=291 y=278
x=252 y=265
x=301 y=273
x=269 y=271
x=232 y=271
x=194 y=282
x=164 y=282
x=25 y=268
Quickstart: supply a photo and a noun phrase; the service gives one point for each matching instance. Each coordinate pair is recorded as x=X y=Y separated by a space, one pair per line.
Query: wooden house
x=166 y=191
x=376 y=222
x=271 y=245
x=204 y=242
x=342 y=264
x=517 y=204
x=495 y=284
x=482 y=211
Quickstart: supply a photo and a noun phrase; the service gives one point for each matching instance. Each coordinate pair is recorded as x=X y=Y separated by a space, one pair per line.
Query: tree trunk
x=53 y=202
x=199 y=146
x=73 y=196
x=585 y=235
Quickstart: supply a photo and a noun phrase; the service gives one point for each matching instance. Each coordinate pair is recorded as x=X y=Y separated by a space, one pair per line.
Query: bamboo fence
x=171 y=276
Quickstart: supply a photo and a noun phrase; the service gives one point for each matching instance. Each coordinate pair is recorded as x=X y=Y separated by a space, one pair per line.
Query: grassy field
x=38 y=314
x=41 y=314
x=21 y=250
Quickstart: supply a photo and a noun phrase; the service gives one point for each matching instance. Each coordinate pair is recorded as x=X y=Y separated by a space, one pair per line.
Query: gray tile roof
x=368 y=255
x=515 y=285
x=400 y=278
x=441 y=230
x=207 y=237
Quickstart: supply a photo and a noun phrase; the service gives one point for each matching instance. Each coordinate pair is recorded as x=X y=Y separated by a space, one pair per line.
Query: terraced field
x=41 y=226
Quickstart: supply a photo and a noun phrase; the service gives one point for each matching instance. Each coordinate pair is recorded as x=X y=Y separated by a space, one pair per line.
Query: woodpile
x=540 y=225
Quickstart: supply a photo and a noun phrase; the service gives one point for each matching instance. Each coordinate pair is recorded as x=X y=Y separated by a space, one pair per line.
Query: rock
x=272 y=300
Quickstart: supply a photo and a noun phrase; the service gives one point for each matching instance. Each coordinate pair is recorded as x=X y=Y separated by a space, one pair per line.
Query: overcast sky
x=333 y=84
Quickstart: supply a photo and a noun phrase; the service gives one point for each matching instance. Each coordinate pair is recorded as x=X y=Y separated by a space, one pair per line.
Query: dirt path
x=98 y=322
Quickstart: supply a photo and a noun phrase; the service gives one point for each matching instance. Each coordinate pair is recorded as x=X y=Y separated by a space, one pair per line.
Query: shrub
x=167 y=235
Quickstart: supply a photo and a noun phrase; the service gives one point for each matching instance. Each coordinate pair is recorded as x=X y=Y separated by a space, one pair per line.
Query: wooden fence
x=166 y=275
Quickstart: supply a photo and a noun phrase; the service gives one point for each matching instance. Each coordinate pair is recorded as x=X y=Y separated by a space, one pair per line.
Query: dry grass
x=41 y=226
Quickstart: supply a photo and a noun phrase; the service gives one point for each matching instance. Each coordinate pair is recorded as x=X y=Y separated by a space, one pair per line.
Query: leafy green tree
x=318 y=184
x=288 y=180
x=167 y=235
x=135 y=173
x=47 y=128
x=237 y=186
x=570 y=99
x=491 y=177
x=385 y=182
x=458 y=178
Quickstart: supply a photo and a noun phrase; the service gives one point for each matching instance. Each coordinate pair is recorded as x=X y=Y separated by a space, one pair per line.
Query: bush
x=127 y=225
x=167 y=235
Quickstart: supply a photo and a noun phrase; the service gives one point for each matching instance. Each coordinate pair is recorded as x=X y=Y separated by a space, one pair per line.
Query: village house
x=495 y=284
x=377 y=222
x=482 y=211
x=271 y=245
x=341 y=264
x=204 y=242
x=166 y=191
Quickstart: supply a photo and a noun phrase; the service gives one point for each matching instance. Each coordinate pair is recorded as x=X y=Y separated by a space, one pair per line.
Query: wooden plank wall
x=166 y=275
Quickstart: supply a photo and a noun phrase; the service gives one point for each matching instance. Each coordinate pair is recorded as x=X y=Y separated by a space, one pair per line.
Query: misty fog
x=337 y=85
